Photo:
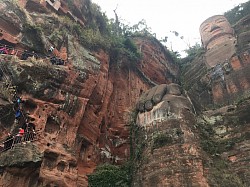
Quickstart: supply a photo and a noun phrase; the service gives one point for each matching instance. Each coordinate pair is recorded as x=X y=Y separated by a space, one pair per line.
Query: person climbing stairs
x=21 y=137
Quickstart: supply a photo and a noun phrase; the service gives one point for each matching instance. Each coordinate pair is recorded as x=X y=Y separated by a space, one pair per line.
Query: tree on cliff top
x=237 y=12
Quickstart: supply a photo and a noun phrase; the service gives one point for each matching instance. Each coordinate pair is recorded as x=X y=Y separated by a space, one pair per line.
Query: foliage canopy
x=237 y=12
x=107 y=175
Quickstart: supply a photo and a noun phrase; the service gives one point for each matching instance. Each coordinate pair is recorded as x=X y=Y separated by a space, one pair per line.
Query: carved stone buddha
x=218 y=39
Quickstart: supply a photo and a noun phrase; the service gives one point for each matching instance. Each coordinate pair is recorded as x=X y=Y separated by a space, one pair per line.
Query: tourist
x=25 y=55
x=51 y=49
x=4 y=50
x=18 y=138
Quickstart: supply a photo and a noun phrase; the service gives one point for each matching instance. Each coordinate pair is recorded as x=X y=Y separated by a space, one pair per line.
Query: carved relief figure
x=213 y=28
x=161 y=103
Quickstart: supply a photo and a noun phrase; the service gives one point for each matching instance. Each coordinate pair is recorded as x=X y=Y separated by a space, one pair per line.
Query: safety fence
x=11 y=141
x=10 y=50
x=24 y=54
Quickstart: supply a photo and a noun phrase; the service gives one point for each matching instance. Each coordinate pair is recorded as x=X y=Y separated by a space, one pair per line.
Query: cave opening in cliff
x=50 y=159
x=84 y=150
x=102 y=126
x=52 y=125
x=61 y=166
x=30 y=106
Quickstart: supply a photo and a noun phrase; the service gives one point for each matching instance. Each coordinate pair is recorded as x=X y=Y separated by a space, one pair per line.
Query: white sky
x=163 y=16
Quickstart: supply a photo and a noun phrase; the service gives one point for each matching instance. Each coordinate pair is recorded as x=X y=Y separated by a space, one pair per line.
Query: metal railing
x=11 y=141
x=17 y=52
x=24 y=55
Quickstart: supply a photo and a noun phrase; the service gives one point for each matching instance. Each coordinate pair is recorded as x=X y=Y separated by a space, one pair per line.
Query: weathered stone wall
x=242 y=31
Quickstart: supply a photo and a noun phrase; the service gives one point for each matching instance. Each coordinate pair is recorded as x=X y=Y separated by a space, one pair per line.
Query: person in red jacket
x=4 y=50
x=19 y=136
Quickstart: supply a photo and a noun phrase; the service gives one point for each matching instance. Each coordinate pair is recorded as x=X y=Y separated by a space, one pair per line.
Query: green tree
x=108 y=175
x=192 y=52
x=237 y=12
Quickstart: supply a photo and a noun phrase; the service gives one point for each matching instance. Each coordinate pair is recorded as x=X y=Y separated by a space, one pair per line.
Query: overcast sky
x=163 y=16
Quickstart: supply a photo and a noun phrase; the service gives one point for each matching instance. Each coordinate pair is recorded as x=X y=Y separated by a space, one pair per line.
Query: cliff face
x=221 y=95
x=80 y=110
x=193 y=134
x=198 y=135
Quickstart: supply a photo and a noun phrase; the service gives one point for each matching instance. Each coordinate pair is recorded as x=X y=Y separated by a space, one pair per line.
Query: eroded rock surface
x=80 y=109
x=172 y=156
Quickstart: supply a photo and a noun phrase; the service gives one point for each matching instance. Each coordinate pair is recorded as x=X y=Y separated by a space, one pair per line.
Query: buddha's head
x=213 y=28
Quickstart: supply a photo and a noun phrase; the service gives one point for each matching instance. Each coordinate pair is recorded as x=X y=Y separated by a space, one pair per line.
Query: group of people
x=7 y=50
x=25 y=124
x=4 y=50
x=17 y=107
x=25 y=55
x=54 y=60
x=26 y=129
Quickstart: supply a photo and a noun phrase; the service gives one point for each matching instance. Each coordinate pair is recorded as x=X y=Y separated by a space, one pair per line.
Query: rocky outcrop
x=80 y=109
x=11 y=23
x=225 y=135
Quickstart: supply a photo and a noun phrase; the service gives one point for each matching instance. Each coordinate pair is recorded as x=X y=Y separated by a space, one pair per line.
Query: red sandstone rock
x=81 y=110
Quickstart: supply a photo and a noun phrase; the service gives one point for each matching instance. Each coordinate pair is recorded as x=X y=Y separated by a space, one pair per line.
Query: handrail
x=18 y=51
x=19 y=139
